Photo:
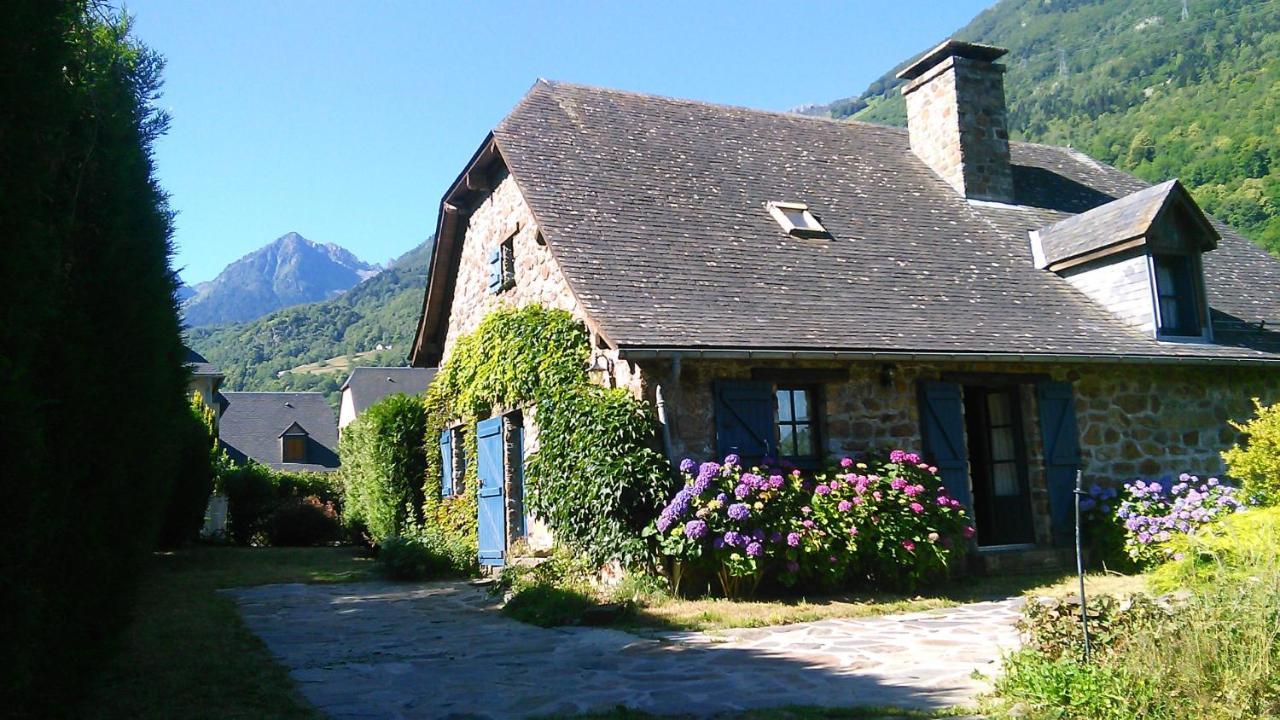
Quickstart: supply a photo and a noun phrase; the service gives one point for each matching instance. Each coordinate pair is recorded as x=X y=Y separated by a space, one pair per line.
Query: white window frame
x=813 y=228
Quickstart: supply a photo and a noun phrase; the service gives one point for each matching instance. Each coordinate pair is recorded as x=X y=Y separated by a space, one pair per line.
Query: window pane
x=787 y=439
x=784 y=405
x=1002 y=448
x=804 y=441
x=801 y=400
x=998 y=409
x=796 y=217
x=1005 y=478
x=1169 y=313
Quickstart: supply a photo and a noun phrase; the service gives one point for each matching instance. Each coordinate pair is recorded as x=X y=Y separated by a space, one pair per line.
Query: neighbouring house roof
x=199 y=366
x=655 y=210
x=1117 y=225
x=368 y=385
x=252 y=424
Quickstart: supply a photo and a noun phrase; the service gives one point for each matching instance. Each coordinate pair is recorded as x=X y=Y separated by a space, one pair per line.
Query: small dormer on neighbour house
x=1140 y=258
x=293 y=444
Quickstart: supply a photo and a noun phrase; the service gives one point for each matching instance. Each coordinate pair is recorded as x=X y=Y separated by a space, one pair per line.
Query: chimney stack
x=957 y=120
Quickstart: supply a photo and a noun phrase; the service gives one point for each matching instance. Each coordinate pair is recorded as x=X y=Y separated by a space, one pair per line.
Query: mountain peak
x=289 y=270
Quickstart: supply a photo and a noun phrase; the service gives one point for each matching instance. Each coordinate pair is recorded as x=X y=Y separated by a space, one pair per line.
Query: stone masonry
x=957 y=121
x=538 y=279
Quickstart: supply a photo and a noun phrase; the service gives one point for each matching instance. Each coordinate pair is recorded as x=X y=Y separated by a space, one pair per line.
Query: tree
x=384 y=463
x=92 y=381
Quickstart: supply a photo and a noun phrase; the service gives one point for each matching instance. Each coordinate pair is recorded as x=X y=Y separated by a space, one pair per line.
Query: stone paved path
x=380 y=650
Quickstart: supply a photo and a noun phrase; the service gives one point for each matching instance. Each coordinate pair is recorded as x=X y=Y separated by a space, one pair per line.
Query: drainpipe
x=673 y=379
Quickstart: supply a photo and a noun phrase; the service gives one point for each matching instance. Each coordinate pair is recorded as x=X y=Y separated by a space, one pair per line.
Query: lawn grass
x=188 y=655
x=663 y=612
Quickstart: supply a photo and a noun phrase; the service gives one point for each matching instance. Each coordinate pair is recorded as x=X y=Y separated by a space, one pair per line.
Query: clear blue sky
x=346 y=121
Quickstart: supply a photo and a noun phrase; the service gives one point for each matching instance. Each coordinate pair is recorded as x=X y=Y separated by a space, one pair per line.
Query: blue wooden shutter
x=1061 y=453
x=495 y=270
x=744 y=418
x=446 y=463
x=942 y=430
x=491 y=518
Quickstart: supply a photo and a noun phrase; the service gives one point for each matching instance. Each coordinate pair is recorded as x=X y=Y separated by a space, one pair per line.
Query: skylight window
x=796 y=219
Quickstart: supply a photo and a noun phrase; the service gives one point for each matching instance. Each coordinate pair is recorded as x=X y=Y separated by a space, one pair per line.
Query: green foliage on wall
x=596 y=479
x=1135 y=84
x=383 y=463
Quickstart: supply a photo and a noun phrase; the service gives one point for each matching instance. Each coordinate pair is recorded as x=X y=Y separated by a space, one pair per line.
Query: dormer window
x=1177 y=295
x=293 y=444
x=796 y=219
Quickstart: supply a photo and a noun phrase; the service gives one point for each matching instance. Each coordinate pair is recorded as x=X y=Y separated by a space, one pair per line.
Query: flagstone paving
x=382 y=650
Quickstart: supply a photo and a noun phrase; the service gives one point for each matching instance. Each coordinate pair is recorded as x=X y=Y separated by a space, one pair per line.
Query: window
x=293 y=449
x=1177 y=296
x=797 y=220
x=502 y=266
x=797 y=436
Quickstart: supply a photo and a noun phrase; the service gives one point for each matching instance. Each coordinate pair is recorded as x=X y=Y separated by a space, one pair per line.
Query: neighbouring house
x=803 y=288
x=206 y=378
x=283 y=430
x=367 y=385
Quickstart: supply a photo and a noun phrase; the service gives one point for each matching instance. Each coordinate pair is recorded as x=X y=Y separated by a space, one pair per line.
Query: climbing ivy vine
x=596 y=478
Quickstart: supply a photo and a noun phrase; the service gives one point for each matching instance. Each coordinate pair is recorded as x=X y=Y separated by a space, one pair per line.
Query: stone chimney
x=956 y=118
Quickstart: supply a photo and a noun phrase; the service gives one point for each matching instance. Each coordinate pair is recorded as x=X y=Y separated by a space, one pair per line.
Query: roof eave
x=657 y=353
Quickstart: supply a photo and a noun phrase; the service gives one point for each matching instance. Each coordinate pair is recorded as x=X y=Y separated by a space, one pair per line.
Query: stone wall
x=537 y=276
x=957 y=123
x=1133 y=420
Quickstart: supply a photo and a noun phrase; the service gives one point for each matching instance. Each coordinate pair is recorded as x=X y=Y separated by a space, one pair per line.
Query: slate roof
x=1111 y=225
x=368 y=385
x=655 y=210
x=200 y=366
x=251 y=424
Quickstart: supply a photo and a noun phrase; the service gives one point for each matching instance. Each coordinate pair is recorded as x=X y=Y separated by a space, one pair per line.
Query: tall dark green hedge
x=383 y=466
x=92 y=381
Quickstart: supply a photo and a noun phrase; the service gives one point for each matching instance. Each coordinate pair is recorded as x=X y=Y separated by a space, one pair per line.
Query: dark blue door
x=491 y=526
x=744 y=418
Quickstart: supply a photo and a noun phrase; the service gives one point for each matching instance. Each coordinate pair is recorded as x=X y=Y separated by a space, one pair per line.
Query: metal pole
x=1084 y=607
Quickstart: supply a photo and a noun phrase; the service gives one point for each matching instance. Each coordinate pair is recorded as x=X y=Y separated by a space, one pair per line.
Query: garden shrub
x=1153 y=513
x=596 y=479
x=302 y=522
x=1240 y=546
x=255 y=493
x=556 y=591
x=1255 y=462
x=383 y=465
x=890 y=523
x=426 y=554
x=92 y=380
x=197 y=439
x=1051 y=625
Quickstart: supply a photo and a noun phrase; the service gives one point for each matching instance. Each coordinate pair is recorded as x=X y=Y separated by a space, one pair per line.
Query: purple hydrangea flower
x=695 y=529
x=741 y=491
x=732 y=459
x=687 y=466
x=739 y=511
x=755 y=549
x=846 y=463
x=733 y=538
x=823 y=490
x=664 y=522
x=793 y=539
x=844 y=506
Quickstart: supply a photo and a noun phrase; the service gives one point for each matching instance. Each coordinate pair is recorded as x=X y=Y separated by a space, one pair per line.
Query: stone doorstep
x=1020 y=560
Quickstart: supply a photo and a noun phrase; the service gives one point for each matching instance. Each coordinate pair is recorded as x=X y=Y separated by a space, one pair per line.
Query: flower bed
x=889 y=522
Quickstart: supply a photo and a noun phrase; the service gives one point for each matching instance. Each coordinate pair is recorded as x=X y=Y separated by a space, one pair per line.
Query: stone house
x=803 y=288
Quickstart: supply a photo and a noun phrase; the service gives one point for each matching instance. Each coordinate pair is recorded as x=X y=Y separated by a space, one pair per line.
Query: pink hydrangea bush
x=890 y=523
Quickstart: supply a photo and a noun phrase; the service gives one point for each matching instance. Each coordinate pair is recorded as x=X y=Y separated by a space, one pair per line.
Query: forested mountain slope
x=381 y=310
x=1143 y=86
